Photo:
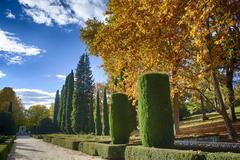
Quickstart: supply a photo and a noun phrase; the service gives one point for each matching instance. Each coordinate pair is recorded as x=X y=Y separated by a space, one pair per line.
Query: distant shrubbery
x=184 y=112
x=44 y=126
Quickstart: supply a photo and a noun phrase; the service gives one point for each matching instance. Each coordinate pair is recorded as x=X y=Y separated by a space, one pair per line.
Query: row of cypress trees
x=73 y=108
x=101 y=119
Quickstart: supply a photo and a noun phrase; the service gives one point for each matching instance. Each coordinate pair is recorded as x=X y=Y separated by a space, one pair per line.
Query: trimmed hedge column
x=154 y=111
x=119 y=118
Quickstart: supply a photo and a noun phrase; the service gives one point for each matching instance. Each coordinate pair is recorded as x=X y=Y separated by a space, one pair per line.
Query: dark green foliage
x=133 y=117
x=98 y=122
x=64 y=104
x=146 y=153
x=10 y=107
x=78 y=113
x=183 y=112
x=5 y=147
x=222 y=156
x=119 y=118
x=59 y=116
x=88 y=93
x=76 y=118
x=154 y=110
x=91 y=118
x=56 y=109
x=106 y=151
x=45 y=126
x=105 y=114
x=83 y=95
x=7 y=124
x=69 y=97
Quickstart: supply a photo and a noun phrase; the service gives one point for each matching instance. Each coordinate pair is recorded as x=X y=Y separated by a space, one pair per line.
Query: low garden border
x=5 y=146
x=131 y=152
x=207 y=146
x=107 y=151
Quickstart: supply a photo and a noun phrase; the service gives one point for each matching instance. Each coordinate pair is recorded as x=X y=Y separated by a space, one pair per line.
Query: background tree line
x=36 y=118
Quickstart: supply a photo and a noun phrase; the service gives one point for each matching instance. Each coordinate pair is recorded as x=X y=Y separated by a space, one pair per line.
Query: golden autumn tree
x=7 y=96
x=176 y=36
x=210 y=24
x=136 y=40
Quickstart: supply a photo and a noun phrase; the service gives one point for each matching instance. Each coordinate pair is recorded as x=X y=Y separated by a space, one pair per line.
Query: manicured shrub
x=106 y=151
x=37 y=136
x=222 y=156
x=119 y=118
x=66 y=143
x=146 y=153
x=47 y=139
x=154 y=110
x=207 y=146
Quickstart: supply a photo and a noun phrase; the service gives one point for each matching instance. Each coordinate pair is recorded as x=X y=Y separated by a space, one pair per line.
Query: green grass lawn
x=196 y=120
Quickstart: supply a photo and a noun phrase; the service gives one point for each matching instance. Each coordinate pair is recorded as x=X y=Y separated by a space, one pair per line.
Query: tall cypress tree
x=69 y=97
x=56 y=109
x=77 y=112
x=84 y=93
x=59 y=117
x=88 y=94
x=105 y=113
x=91 y=119
x=64 y=103
x=10 y=107
x=98 y=123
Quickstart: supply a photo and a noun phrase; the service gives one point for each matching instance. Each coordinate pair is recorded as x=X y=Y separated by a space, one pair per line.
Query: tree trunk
x=176 y=112
x=204 y=116
x=230 y=91
x=232 y=134
x=231 y=131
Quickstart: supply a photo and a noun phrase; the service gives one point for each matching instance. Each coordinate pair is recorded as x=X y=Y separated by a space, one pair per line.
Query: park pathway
x=27 y=148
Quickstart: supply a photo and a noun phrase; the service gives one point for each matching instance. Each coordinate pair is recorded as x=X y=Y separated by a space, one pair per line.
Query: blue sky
x=40 y=44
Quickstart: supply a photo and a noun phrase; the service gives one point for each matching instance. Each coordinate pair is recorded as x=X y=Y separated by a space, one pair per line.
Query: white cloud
x=35 y=96
x=63 y=12
x=2 y=74
x=9 y=14
x=60 y=76
x=14 y=49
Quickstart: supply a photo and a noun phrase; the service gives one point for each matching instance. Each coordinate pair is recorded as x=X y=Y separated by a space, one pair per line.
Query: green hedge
x=47 y=139
x=108 y=151
x=5 y=147
x=37 y=136
x=119 y=118
x=89 y=145
x=155 y=111
x=147 y=153
x=66 y=143
x=207 y=146
x=222 y=156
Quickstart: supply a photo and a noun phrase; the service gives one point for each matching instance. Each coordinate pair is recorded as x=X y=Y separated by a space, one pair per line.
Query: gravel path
x=27 y=148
